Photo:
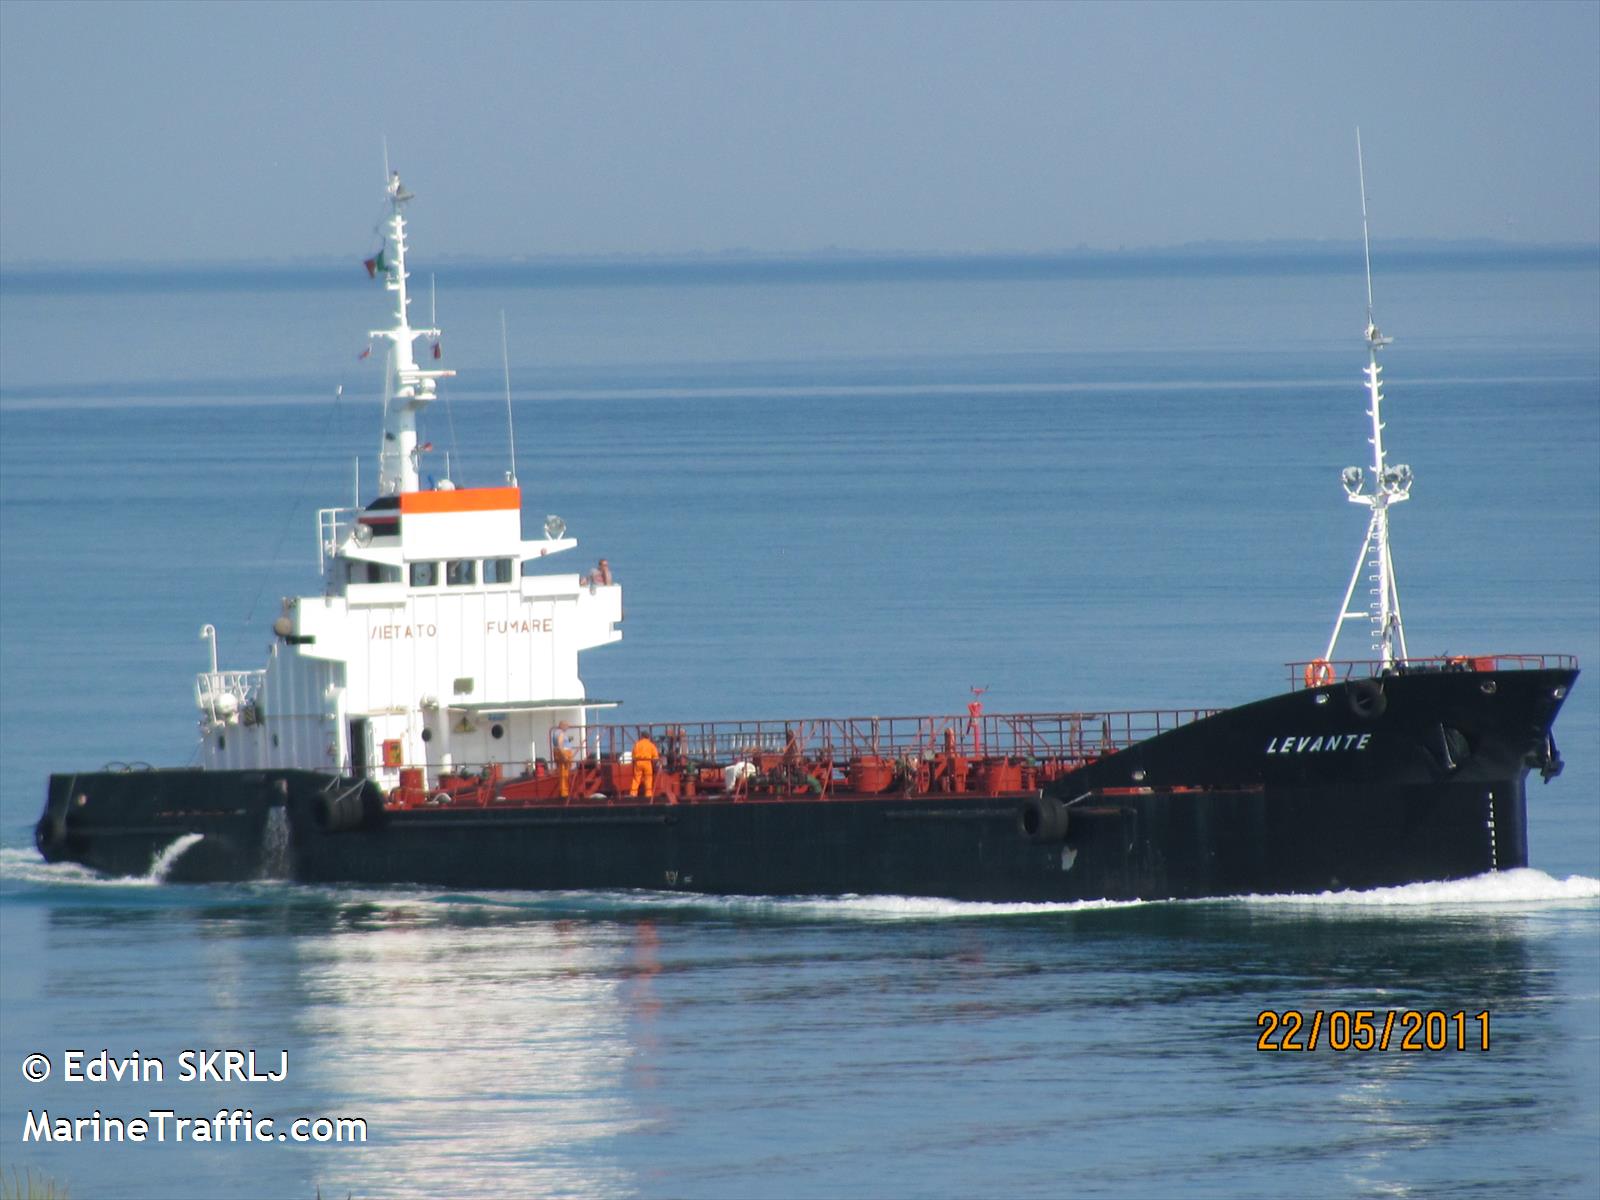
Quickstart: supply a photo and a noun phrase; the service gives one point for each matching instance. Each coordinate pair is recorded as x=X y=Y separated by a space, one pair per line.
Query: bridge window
x=361 y=571
x=497 y=570
x=424 y=574
x=461 y=572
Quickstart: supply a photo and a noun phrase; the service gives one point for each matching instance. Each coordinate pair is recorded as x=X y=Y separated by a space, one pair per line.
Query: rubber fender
x=1042 y=819
x=373 y=812
x=337 y=812
x=50 y=834
x=1366 y=698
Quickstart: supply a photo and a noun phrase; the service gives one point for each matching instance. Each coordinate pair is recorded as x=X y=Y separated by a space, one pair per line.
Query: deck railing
x=1320 y=672
x=991 y=735
x=333 y=525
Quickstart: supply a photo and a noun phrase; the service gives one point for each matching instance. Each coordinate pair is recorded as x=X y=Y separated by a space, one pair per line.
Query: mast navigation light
x=1397 y=479
x=554 y=527
x=1351 y=479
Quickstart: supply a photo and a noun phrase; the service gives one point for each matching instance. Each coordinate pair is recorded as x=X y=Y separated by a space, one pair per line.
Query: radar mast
x=408 y=388
x=1389 y=485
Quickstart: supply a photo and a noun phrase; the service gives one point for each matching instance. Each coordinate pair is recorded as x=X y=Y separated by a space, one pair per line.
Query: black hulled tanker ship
x=422 y=721
x=1414 y=775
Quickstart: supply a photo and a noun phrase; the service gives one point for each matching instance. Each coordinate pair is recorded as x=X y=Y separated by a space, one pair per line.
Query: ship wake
x=1523 y=887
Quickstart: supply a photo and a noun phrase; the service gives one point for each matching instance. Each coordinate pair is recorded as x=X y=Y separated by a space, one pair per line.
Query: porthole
x=427 y=735
x=497 y=731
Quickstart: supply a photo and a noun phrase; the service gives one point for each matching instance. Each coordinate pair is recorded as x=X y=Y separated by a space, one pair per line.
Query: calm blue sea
x=826 y=492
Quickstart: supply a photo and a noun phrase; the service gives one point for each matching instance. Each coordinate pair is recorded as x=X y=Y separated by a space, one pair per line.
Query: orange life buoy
x=1319 y=673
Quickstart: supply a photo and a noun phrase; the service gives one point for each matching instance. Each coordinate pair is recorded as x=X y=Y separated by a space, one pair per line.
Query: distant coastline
x=822 y=266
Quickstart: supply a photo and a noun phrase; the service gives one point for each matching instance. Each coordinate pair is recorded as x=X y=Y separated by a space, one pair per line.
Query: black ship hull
x=1407 y=778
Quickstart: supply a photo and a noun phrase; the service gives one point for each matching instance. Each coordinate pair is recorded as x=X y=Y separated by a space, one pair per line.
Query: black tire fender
x=338 y=812
x=1042 y=819
x=50 y=834
x=1366 y=698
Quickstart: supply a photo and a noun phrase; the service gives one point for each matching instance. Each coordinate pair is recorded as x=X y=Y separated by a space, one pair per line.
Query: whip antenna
x=449 y=409
x=1366 y=240
x=511 y=428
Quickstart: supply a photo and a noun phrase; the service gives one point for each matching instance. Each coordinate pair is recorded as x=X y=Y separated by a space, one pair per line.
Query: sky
x=200 y=131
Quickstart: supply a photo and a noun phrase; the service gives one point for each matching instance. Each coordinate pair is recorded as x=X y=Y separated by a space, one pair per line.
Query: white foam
x=20 y=866
x=169 y=857
x=1521 y=887
x=921 y=908
x=847 y=907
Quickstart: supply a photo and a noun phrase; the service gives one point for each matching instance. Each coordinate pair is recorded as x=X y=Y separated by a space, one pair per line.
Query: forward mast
x=1389 y=486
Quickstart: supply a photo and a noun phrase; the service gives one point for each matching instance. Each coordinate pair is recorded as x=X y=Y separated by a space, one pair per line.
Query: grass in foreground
x=28 y=1186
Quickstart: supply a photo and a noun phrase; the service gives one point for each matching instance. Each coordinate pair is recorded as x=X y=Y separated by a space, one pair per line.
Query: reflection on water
x=486 y=1044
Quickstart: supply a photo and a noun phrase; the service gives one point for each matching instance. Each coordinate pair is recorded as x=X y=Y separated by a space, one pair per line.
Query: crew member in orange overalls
x=645 y=754
x=561 y=751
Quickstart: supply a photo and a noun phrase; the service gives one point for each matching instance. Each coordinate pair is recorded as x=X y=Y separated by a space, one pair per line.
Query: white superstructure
x=433 y=645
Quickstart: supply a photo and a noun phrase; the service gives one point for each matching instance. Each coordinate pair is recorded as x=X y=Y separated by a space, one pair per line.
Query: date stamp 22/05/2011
x=1411 y=1030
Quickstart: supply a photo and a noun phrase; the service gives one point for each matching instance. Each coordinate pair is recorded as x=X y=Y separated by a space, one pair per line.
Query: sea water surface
x=835 y=493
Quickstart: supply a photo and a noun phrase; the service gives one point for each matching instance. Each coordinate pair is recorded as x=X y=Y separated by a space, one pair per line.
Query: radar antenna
x=408 y=388
x=1390 y=485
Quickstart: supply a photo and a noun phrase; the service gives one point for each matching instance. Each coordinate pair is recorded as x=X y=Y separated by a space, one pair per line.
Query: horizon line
x=1200 y=250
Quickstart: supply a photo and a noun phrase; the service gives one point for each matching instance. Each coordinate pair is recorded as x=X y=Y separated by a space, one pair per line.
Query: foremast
x=408 y=388
x=1390 y=485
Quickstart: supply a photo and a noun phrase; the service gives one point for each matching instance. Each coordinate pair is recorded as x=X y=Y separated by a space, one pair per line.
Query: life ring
x=1319 y=673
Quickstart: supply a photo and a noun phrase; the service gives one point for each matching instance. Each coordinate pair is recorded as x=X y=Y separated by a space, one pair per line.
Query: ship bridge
x=436 y=640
